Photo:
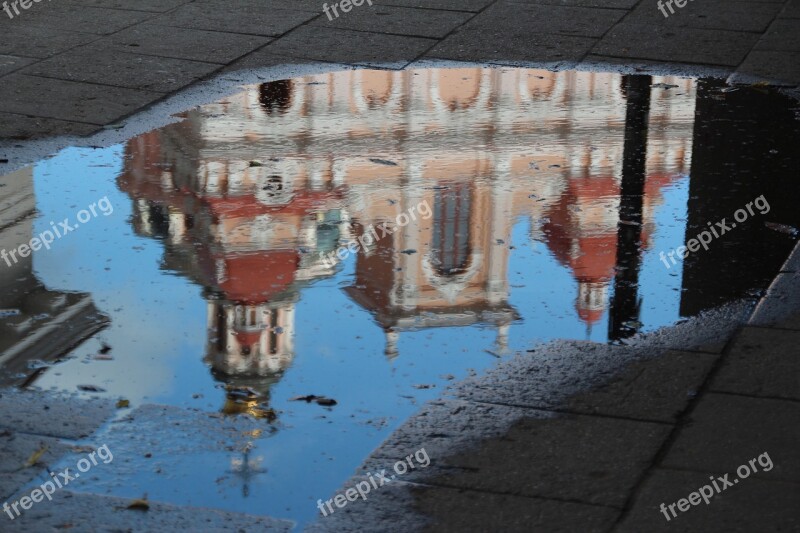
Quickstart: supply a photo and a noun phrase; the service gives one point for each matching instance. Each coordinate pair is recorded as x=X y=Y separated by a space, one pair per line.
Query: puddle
x=524 y=206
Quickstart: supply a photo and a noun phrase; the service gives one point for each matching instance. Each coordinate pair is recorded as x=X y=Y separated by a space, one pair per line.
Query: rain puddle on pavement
x=370 y=237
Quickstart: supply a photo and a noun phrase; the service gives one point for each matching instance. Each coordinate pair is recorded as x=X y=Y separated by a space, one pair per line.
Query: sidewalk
x=74 y=66
x=529 y=447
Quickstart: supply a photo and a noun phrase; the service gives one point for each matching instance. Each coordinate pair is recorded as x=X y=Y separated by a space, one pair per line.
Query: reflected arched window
x=275 y=96
x=451 y=229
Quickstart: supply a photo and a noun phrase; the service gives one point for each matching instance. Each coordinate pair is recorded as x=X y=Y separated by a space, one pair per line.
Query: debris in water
x=409 y=251
x=320 y=400
x=91 y=388
x=139 y=505
x=256 y=164
x=663 y=86
x=122 y=404
x=383 y=162
x=35 y=456
x=782 y=228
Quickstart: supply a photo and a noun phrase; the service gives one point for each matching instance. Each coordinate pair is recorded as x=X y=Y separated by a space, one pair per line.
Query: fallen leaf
x=326 y=402
x=139 y=505
x=91 y=388
x=122 y=404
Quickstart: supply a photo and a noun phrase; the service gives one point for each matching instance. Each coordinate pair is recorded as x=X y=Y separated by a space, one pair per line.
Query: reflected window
x=275 y=96
x=451 y=233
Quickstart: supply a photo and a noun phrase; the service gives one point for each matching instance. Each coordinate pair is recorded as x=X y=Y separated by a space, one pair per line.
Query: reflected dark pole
x=624 y=308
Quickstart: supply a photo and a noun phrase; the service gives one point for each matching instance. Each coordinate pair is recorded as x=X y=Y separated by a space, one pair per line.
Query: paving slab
x=688 y=45
x=761 y=362
x=792 y=9
x=397 y=20
x=94 y=512
x=11 y=63
x=657 y=389
x=182 y=43
x=725 y=431
x=96 y=64
x=69 y=100
x=454 y=510
x=37 y=42
x=608 y=4
x=780 y=308
x=157 y=6
x=783 y=34
x=351 y=47
x=753 y=505
x=264 y=58
x=709 y=14
x=780 y=67
x=588 y=459
x=253 y=19
x=42 y=413
x=78 y=18
x=23 y=127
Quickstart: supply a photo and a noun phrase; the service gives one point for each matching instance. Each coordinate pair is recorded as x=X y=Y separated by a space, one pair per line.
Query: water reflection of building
x=249 y=193
x=36 y=323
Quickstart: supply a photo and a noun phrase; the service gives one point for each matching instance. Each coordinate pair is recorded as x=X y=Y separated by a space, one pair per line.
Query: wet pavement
x=271 y=285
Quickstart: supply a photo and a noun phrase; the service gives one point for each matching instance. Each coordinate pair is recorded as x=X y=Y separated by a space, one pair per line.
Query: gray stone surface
x=77 y=18
x=138 y=5
x=710 y=14
x=354 y=47
x=761 y=362
x=586 y=459
x=781 y=306
x=753 y=505
x=182 y=43
x=687 y=45
x=726 y=431
x=68 y=100
x=42 y=413
x=15 y=126
x=9 y=64
x=253 y=19
x=607 y=4
x=777 y=66
x=16 y=449
x=657 y=389
x=509 y=46
x=783 y=34
x=31 y=41
x=397 y=20
x=91 y=512
x=96 y=64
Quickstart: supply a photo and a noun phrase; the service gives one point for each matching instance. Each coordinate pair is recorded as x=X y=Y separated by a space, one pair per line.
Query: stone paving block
x=42 y=413
x=689 y=45
x=510 y=46
x=609 y=4
x=181 y=43
x=158 y=6
x=709 y=14
x=443 y=428
x=68 y=100
x=96 y=64
x=15 y=450
x=289 y=66
x=588 y=459
x=783 y=34
x=792 y=10
x=79 y=18
x=397 y=20
x=352 y=47
x=257 y=19
x=779 y=67
x=539 y=18
x=657 y=389
x=780 y=307
x=452 y=5
x=11 y=63
x=454 y=510
x=39 y=42
x=726 y=431
x=752 y=505
x=389 y=504
x=93 y=512
x=22 y=127
x=546 y=377
x=762 y=362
